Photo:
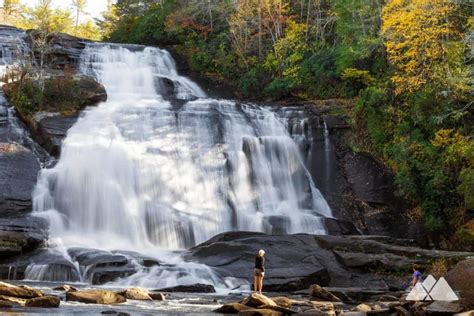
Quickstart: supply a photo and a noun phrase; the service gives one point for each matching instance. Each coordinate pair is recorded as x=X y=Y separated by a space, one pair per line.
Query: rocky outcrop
x=95 y=297
x=295 y=262
x=50 y=128
x=65 y=50
x=18 y=171
x=461 y=279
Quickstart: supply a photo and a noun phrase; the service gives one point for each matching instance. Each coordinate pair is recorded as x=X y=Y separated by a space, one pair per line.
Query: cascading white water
x=139 y=172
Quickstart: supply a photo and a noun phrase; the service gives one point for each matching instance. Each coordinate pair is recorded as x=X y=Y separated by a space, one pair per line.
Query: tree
x=79 y=6
x=423 y=41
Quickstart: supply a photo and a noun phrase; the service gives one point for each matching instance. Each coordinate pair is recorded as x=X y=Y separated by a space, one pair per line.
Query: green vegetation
x=407 y=62
x=59 y=94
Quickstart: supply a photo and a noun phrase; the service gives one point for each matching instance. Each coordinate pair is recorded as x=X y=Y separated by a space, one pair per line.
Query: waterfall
x=146 y=170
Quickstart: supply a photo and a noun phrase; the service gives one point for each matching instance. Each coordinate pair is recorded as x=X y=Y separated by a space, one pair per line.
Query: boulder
x=19 y=291
x=191 y=288
x=95 y=297
x=44 y=301
x=461 y=278
x=283 y=310
x=14 y=300
x=157 y=296
x=136 y=293
x=65 y=288
x=363 y=308
x=257 y=300
x=282 y=301
x=92 y=92
x=318 y=292
x=259 y=312
x=443 y=308
x=231 y=308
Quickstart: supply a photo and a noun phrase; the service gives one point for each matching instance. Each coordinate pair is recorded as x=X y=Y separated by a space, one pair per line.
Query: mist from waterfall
x=146 y=170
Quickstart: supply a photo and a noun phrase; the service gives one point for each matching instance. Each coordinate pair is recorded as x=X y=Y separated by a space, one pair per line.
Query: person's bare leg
x=255 y=284
x=260 y=285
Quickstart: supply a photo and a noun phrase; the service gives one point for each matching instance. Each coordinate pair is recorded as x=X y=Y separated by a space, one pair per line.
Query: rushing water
x=160 y=167
x=139 y=171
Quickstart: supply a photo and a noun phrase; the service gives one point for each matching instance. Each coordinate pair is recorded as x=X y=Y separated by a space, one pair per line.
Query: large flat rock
x=294 y=262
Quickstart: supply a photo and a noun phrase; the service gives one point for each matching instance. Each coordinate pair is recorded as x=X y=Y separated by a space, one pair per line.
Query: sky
x=94 y=8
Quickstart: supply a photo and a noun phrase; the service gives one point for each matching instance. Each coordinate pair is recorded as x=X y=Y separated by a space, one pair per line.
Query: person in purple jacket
x=416 y=275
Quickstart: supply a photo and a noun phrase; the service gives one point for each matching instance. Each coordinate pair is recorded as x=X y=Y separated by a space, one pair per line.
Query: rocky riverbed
x=48 y=298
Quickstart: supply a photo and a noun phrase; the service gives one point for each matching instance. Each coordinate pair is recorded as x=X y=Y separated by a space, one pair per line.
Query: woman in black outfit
x=259 y=271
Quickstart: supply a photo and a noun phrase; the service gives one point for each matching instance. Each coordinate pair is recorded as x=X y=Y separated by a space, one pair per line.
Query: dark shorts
x=259 y=272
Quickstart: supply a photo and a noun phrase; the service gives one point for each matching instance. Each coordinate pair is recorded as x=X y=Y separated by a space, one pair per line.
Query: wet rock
x=443 y=308
x=461 y=278
x=18 y=291
x=157 y=296
x=231 y=308
x=92 y=92
x=256 y=300
x=318 y=292
x=18 y=171
x=401 y=311
x=65 y=288
x=44 y=301
x=95 y=297
x=6 y=304
x=103 y=266
x=13 y=300
x=259 y=312
x=191 y=288
x=136 y=293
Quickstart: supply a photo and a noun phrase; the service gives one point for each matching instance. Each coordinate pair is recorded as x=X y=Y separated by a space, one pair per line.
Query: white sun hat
x=261 y=252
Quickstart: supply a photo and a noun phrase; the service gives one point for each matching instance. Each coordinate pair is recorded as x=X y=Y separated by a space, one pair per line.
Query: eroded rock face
x=18 y=171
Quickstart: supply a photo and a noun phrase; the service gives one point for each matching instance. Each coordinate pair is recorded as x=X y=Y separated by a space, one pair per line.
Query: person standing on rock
x=259 y=271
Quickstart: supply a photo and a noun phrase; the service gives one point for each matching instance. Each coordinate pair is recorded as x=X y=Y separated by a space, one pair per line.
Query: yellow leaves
x=360 y=75
x=418 y=33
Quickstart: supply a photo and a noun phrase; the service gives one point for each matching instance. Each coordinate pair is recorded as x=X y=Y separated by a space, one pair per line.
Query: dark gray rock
x=191 y=288
x=370 y=181
x=294 y=262
x=102 y=266
x=22 y=234
x=65 y=49
x=18 y=171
